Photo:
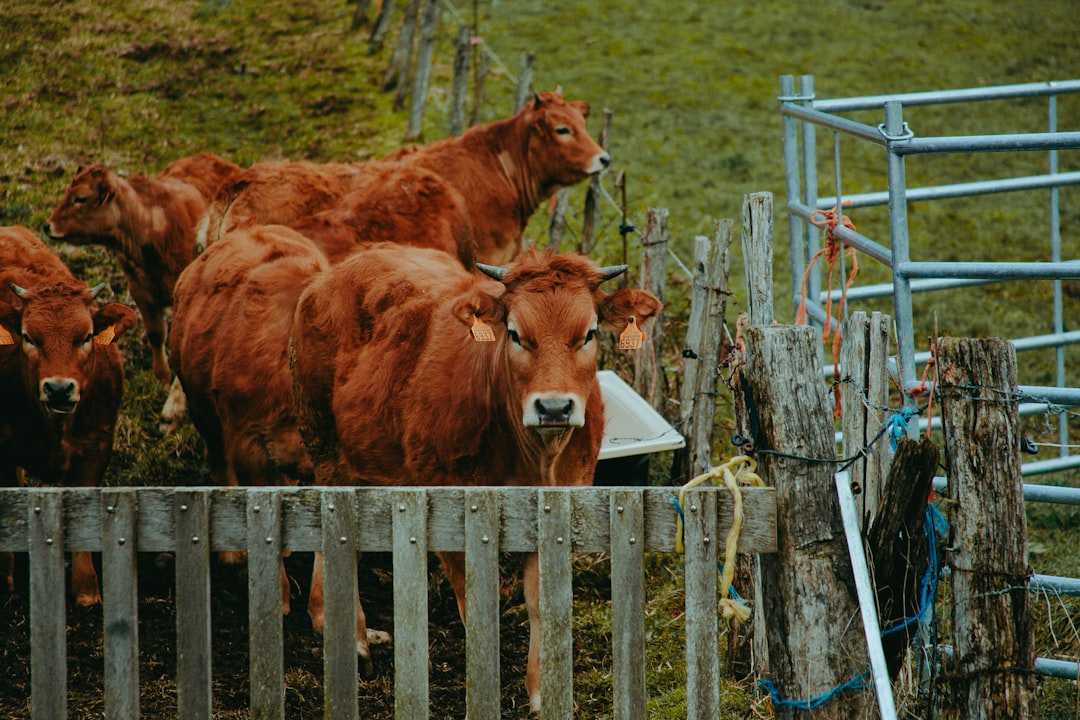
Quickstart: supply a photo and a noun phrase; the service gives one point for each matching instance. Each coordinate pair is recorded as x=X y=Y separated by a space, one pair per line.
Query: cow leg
x=84 y=580
x=532 y=603
x=364 y=636
x=286 y=591
x=154 y=322
x=454 y=566
x=172 y=412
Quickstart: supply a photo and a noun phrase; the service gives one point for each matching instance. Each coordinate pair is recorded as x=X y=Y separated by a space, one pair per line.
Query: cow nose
x=605 y=160
x=60 y=394
x=554 y=411
x=46 y=229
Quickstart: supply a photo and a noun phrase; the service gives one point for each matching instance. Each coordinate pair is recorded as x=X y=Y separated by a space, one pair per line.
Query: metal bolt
x=474 y=508
x=705 y=540
x=183 y=508
x=343 y=539
x=269 y=540
x=195 y=539
x=547 y=508
x=48 y=541
x=330 y=507
x=110 y=509
x=633 y=541
x=122 y=541
x=412 y=540
x=619 y=508
x=485 y=539
x=37 y=508
x=401 y=507
x=256 y=509
x=559 y=540
x=693 y=508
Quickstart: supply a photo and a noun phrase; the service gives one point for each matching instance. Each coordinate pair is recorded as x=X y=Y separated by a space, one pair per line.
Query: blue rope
x=897 y=424
x=856 y=683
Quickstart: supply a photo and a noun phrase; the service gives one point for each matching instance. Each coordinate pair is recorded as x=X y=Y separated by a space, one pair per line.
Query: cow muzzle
x=59 y=395
x=553 y=412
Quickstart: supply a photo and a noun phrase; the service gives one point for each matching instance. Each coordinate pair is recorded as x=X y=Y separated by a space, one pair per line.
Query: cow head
x=57 y=329
x=561 y=151
x=87 y=212
x=549 y=309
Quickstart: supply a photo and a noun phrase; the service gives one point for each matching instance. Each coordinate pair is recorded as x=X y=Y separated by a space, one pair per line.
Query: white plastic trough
x=633 y=430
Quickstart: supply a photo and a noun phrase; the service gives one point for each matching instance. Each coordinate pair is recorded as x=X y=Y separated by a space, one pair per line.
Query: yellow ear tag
x=632 y=337
x=6 y=338
x=106 y=336
x=480 y=331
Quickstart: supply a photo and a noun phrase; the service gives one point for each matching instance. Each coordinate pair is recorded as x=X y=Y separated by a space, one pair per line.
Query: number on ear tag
x=480 y=331
x=5 y=337
x=632 y=337
x=106 y=336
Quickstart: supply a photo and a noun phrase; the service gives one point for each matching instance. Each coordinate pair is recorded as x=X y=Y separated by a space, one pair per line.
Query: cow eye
x=589 y=336
x=563 y=130
x=27 y=341
x=88 y=339
x=78 y=200
x=514 y=337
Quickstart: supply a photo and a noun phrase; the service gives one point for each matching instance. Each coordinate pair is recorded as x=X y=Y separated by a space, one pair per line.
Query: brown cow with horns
x=408 y=370
x=61 y=379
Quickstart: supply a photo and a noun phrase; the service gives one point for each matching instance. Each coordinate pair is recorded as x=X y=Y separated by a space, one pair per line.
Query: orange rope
x=921 y=389
x=828 y=220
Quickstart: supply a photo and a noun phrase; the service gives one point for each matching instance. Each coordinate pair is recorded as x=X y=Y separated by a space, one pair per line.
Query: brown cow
x=281 y=192
x=396 y=382
x=61 y=379
x=150 y=226
x=507 y=168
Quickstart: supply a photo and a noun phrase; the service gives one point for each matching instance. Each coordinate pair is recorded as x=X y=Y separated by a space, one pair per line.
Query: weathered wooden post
x=701 y=358
x=992 y=675
x=864 y=399
x=461 y=80
x=423 y=69
x=381 y=26
x=808 y=599
x=746 y=646
x=592 y=210
x=649 y=381
x=523 y=89
x=360 y=14
x=557 y=224
x=401 y=60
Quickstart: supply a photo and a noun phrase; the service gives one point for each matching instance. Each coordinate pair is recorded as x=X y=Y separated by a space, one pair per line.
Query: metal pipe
x=956 y=190
x=1053 y=494
x=945 y=97
x=988 y=270
x=867 y=604
x=988 y=143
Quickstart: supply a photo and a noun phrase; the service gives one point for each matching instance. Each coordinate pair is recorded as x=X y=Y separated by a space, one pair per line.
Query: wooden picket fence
x=410 y=523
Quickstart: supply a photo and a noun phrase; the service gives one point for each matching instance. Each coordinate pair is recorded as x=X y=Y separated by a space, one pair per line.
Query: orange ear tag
x=106 y=336
x=6 y=338
x=632 y=337
x=480 y=331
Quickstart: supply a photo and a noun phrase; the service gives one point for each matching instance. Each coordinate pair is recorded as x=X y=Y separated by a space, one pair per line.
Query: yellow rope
x=739 y=470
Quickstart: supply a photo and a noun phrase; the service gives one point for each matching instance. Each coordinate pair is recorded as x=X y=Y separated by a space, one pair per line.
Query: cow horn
x=612 y=271
x=96 y=290
x=21 y=292
x=492 y=271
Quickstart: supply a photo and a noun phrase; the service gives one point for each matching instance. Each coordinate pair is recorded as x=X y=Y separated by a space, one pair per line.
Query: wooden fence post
x=523 y=90
x=649 y=380
x=557 y=225
x=701 y=358
x=592 y=211
x=397 y=72
x=864 y=393
x=381 y=26
x=993 y=672
x=807 y=591
x=746 y=644
x=461 y=80
x=423 y=69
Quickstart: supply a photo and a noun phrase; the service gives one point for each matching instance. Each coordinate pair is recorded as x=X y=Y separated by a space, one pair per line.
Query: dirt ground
x=303 y=647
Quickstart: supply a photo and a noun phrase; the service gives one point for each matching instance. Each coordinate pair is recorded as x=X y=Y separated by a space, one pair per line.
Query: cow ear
x=581 y=106
x=110 y=322
x=10 y=323
x=616 y=309
x=480 y=307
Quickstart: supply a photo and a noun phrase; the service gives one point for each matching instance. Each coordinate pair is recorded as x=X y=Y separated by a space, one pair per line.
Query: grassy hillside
x=692 y=86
